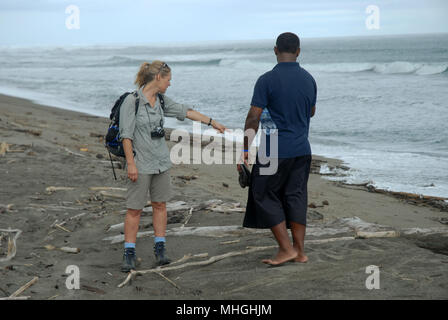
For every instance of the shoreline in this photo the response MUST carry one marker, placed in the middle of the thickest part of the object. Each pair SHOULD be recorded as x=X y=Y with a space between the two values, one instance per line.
x=59 y=191
x=333 y=163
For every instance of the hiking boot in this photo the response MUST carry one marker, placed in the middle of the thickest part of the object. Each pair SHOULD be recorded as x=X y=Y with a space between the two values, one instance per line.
x=129 y=259
x=159 y=251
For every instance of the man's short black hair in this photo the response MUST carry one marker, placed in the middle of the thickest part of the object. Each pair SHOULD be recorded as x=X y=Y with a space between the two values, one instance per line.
x=288 y=42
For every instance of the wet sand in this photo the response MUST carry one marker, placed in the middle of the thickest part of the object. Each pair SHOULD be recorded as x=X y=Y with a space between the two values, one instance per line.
x=50 y=147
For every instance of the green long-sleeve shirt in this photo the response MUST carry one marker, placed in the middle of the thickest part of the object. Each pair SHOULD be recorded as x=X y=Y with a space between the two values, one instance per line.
x=151 y=154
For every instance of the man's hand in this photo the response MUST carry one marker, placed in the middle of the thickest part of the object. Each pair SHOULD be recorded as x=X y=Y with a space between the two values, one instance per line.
x=132 y=172
x=244 y=158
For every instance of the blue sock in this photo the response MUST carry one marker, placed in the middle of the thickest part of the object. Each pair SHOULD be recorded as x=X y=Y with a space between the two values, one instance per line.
x=129 y=245
x=159 y=239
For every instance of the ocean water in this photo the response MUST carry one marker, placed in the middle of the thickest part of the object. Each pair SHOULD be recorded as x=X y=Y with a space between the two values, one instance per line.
x=382 y=103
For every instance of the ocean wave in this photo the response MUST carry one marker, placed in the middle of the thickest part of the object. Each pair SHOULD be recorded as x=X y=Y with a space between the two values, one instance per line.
x=396 y=67
x=123 y=61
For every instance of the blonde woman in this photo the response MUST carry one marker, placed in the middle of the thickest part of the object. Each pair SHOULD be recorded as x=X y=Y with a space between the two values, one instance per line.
x=147 y=154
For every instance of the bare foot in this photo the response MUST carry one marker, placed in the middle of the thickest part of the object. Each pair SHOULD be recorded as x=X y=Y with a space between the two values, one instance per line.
x=281 y=257
x=301 y=258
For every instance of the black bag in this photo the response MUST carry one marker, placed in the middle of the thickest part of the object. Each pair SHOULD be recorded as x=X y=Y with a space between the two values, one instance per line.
x=113 y=143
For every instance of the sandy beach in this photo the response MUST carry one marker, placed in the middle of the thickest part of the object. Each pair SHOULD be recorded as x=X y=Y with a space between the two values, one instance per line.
x=57 y=188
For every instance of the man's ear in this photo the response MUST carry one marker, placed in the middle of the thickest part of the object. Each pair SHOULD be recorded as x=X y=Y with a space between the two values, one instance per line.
x=297 y=52
x=276 y=51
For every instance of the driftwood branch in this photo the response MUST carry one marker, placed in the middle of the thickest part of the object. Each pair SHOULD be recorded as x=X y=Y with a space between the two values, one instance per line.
x=23 y=288
x=188 y=217
x=211 y=260
x=167 y=279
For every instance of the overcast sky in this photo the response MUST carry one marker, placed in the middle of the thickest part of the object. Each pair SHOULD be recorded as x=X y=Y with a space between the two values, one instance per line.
x=43 y=22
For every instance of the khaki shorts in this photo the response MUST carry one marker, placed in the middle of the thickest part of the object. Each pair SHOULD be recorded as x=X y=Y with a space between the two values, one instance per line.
x=157 y=185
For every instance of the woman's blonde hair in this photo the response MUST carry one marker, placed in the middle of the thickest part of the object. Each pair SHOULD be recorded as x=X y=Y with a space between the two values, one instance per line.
x=148 y=72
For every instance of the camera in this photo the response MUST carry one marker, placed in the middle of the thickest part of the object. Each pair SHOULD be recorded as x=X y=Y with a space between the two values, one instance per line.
x=158 y=132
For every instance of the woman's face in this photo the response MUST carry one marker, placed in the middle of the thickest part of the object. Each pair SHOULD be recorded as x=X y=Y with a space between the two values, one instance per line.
x=164 y=82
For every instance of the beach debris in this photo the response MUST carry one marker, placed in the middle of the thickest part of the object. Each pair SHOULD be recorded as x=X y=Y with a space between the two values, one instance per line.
x=325 y=203
x=170 y=206
x=96 y=135
x=112 y=195
x=24 y=287
x=6 y=208
x=211 y=260
x=74 y=153
x=187 y=218
x=63 y=249
x=314 y=215
x=33 y=132
x=230 y=242
x=228 y=207
x=16 y=298
x=92 y=289
x=12 y=245
x=211 y=231
x=52 y=189
x=108 y=188
x=167 y=279
x=4 y=147
x=414 y=198
x=188 y=178
x=377 y=234
x=225 y=185
x=312 y=205
x=83 y=149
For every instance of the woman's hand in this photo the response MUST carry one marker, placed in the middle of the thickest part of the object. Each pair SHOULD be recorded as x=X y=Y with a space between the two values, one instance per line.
x=216 y=125
x=132 y=172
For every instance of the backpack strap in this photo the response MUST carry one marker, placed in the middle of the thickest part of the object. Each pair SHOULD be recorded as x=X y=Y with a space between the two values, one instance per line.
x=162 y=102
x=137 y=101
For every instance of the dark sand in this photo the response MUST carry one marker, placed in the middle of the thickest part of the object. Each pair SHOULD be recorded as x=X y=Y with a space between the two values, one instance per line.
x=412 y=265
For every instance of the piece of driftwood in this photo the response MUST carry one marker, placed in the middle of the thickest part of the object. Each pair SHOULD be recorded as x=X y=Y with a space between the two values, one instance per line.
x=189 y=256
x=74 y=153
x=63 y=249
x=108 y=189
x=23 y=288
x=168 y=279
x=212 y=231
x=4 y=147
x=16 y=298
x=377 y=234
x=77 y=216
x=112 y=195
x=211 y=260
x=62 y=228
x=70 y=250
x=54 y=189
x=12 y=245
x=188 y=217
x=170 y=206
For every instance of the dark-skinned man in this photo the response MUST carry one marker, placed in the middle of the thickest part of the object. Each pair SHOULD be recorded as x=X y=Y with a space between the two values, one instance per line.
x=285 y=100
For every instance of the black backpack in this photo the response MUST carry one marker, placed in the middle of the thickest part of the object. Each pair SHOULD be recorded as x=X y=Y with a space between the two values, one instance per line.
x=112 y=140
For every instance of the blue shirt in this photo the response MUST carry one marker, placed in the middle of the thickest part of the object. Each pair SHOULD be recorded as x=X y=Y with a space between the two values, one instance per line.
x=288 y=92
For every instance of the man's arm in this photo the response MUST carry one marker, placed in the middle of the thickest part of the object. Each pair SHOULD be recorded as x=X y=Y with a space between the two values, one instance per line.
x=252 y=122
x=313 y=111
x=250 y=131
